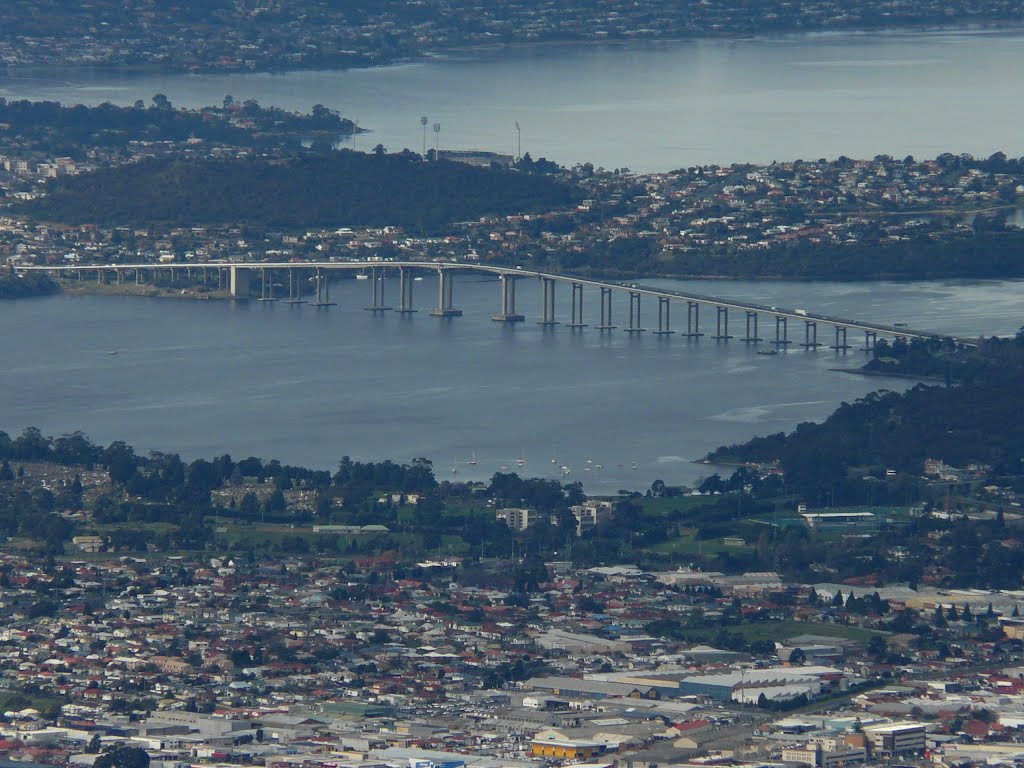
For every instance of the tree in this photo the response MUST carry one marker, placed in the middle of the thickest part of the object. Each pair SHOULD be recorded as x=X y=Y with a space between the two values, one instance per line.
x=275 y=502
x=797 y=657
x=160 y=101
x=250 y=505
x=877 y=646
x=123 y=757
x=120 y=460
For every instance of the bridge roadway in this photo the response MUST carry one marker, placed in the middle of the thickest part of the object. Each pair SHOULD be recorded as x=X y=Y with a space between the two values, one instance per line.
x=239 y=274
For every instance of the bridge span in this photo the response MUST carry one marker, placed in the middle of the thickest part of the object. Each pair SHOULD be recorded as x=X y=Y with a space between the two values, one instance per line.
x=237 y=278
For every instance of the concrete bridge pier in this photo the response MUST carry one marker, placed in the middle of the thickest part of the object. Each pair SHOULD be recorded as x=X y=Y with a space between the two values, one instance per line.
x=692 y=320
x=404 y=292
x=840 y=344
x=752 y=320
x=239 y=287
x=267 y=285
x=870 y=339
x=444 y=306
x=664 y=319
x=781 y=339
x=722 y=332
x=634 y=313
x=577 y=307
x=323 y=289
x=508 y=313
x=294 y=291
x=547 y=302
x=377 y=289
x=810 y=334
x=606 y=310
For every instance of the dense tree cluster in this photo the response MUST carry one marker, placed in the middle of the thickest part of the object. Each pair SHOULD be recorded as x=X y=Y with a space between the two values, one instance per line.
x=70 y=130
x=336 y=189
x=975 y=422
x=30 y=284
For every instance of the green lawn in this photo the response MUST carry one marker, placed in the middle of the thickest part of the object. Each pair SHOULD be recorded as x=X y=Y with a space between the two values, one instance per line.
x=689 y=544
x=665 y=505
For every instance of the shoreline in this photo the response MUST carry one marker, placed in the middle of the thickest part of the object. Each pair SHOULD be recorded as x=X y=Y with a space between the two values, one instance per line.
x=1007 y=26
x=72 y=287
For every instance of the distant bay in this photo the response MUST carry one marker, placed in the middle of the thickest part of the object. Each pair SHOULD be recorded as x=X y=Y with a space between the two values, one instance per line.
x=649 y=106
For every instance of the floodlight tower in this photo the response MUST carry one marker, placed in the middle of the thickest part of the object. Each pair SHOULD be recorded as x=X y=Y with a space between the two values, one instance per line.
x=423 y=122
x=519 y=142
x=437 y=141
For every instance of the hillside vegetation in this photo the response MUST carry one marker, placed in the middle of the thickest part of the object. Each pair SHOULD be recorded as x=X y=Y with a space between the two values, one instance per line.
x=338 y=189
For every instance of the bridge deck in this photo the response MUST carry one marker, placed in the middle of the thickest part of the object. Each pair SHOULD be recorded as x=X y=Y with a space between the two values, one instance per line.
x=643 y=290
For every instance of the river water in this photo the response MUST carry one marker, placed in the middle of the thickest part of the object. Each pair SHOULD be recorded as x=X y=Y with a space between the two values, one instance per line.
x=308 y=386
x=651 y=106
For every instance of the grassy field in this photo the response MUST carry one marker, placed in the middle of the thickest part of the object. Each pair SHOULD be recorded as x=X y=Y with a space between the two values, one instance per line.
x=688 y=544
x=666 y=505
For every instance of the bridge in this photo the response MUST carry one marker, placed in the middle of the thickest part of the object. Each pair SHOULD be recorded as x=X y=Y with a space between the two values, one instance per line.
x=237 y=278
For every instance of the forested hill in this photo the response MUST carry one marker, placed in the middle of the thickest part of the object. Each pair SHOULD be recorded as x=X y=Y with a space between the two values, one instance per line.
x=975 y=422
x=338 y=189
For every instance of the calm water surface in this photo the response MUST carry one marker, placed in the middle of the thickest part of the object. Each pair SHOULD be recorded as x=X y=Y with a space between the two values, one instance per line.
x=649 y=106
x=308 y=386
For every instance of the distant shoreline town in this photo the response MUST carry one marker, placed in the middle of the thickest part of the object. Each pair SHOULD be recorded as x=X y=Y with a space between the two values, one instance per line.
x=220 y=37
x=150 y=182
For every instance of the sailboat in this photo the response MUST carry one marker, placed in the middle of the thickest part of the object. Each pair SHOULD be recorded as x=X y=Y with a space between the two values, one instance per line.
x=472 y=461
